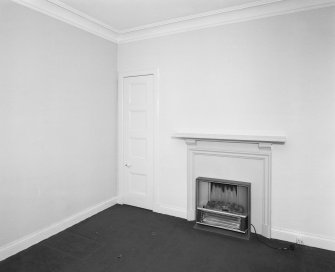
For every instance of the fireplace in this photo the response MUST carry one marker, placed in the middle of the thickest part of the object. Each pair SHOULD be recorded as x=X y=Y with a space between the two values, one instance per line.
x=223 y=206
x=237 y=156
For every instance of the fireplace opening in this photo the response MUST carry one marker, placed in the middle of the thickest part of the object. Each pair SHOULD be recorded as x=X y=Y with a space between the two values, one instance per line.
x=223 y=206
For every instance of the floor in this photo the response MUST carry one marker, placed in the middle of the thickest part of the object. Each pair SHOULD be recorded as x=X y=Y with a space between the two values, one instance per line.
x=125 y=238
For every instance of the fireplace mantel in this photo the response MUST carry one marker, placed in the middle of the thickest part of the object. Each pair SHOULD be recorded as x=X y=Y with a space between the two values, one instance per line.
x=233 y=137
x=242 y=157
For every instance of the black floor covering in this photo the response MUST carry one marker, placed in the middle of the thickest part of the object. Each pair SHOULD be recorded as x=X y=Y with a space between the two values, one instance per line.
x=125 y=238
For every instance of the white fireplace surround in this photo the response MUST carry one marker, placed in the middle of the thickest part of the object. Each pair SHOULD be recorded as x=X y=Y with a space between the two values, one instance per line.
x=235 y=156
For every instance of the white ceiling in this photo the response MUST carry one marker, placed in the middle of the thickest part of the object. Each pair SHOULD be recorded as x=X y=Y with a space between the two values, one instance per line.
x=122 y=15
x=122 y=21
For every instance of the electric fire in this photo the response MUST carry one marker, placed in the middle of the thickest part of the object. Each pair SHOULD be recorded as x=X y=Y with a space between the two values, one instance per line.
x=223 y=206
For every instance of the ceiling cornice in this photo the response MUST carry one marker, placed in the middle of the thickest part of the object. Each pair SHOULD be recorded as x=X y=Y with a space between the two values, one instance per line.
x=251 y=11
x=242 y=13
x=71 y=16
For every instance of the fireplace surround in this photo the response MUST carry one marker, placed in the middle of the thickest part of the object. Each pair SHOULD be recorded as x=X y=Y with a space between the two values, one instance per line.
x=242 y=157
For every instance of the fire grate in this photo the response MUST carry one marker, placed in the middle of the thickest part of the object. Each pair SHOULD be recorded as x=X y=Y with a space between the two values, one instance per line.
x=223 y=206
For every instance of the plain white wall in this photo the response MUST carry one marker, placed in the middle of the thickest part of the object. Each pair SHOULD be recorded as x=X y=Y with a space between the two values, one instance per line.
x=273 y=74
x=57 y=118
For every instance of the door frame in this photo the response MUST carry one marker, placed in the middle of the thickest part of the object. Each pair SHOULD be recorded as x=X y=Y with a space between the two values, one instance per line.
x=120 y=138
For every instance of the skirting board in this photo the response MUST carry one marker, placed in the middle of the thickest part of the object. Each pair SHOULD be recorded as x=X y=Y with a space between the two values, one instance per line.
x=308 y=239
x=36 y=237
x=164 y=209
x=173 y=211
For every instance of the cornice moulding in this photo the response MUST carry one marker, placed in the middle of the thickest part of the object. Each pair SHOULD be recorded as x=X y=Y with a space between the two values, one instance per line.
x=260 y=9
x=71 y=17
x=81 y=14
x=201 y=15
x=247 y=12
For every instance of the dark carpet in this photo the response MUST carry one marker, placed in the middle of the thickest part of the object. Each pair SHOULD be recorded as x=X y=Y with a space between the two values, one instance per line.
x=125 y=238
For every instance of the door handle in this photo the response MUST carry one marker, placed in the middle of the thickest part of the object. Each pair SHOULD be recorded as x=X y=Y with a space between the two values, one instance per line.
x=127 y=165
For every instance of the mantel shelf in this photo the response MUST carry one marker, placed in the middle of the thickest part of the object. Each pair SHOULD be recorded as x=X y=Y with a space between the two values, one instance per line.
x=232 y=137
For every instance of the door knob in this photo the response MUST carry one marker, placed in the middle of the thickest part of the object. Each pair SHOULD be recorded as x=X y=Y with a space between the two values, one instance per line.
x=127 y=165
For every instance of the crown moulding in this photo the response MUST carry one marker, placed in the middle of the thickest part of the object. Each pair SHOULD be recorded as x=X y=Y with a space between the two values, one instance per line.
x=251 y=11
x=70 y=16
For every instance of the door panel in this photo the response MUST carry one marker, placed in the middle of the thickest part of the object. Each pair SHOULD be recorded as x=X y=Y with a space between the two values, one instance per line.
x=138 y=148
x=138 y=140
x=138 y=120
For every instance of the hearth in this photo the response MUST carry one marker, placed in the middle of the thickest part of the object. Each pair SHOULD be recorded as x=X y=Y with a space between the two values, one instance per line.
x=223 y=206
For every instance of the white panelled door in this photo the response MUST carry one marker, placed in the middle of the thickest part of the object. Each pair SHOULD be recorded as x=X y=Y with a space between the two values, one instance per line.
x=138 y=140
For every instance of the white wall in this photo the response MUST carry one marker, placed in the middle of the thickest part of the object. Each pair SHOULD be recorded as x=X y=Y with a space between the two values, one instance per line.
x=57 y=121
x=273 y=74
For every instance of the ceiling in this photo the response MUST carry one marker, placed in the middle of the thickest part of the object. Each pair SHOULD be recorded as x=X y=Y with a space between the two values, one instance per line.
x=122 y=15
x=122 y=21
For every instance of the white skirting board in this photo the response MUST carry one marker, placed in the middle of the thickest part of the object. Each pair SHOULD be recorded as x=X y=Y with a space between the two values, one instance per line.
x=169 y=210
x=38 y=236
x=308 y=239
x=164 y=209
